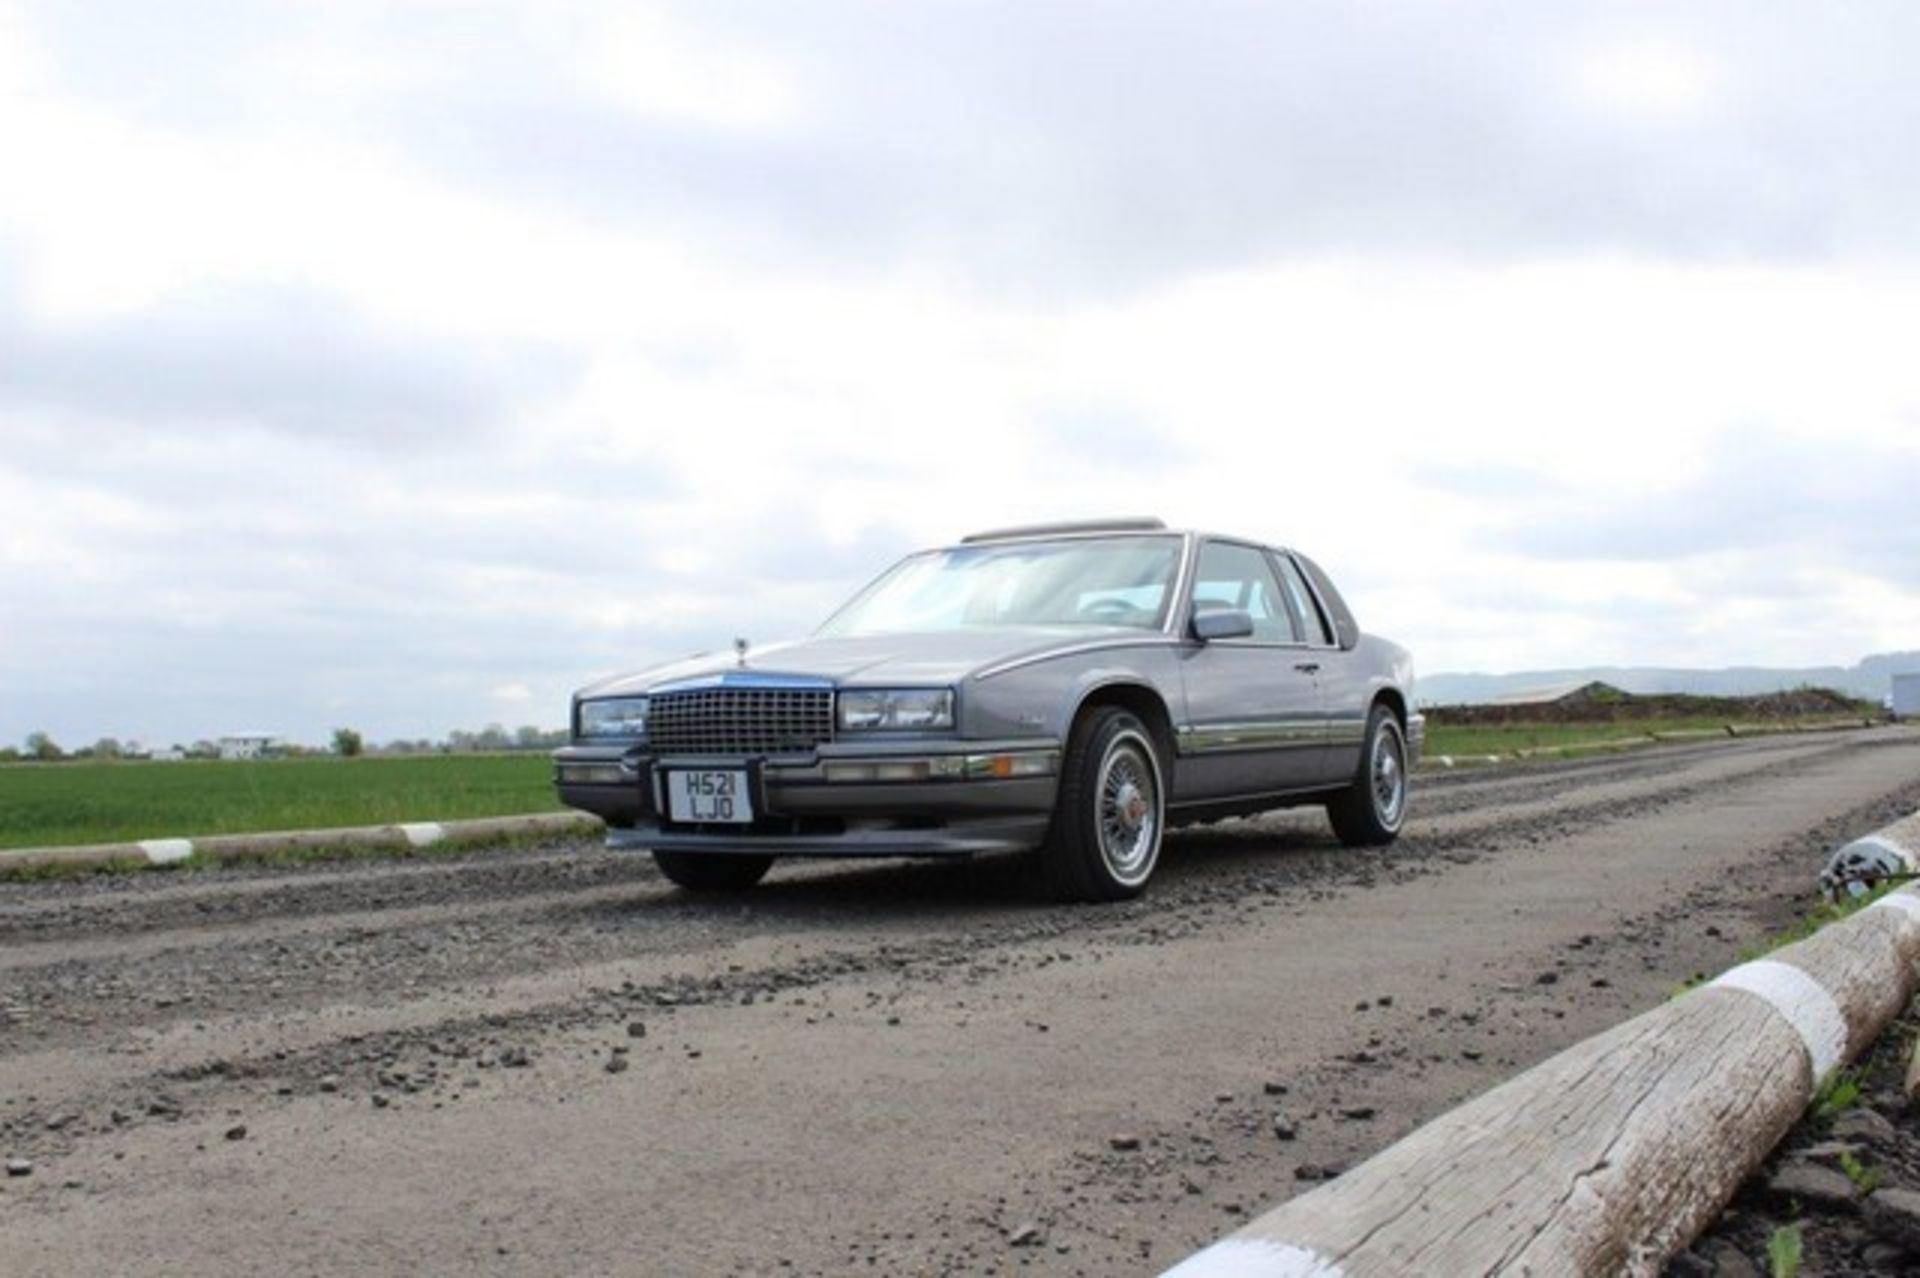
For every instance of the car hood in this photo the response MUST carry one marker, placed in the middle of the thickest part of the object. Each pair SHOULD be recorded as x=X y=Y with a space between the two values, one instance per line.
x=877 y=660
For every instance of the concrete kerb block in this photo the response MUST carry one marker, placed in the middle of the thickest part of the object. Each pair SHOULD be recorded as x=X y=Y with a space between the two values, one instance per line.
x=223 y=848
x=534 y=826
x=166 y=851
x=95 y=855
x=260 y=847
x=422 y=834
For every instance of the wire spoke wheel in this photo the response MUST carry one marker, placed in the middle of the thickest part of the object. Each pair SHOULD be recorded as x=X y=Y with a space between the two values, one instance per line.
x=1128 y=813
x=1389 y=772
x=1371 y=809
x=1110 y=811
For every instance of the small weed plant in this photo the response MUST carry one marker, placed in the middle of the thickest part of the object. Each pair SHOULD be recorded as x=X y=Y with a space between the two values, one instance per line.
x=1838 y=1091
x=1865 y=1179
x=1784 y=1250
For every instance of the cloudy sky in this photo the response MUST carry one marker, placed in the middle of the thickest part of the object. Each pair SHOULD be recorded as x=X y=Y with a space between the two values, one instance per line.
x=403 y=365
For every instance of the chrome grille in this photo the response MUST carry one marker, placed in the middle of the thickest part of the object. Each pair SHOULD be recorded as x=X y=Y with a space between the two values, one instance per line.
x=740 y=721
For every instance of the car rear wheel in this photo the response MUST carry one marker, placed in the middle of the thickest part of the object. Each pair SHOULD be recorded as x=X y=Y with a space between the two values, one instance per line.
x=1111 y=811
x=1371 y=810
x=712 y=872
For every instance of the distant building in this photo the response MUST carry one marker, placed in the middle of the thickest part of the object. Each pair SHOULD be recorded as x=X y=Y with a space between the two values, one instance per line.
x=169 y=754
x=1906 y=696
x=250 y=745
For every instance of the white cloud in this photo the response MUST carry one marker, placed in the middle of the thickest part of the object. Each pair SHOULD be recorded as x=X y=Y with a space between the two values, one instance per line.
x=1662 y=78
x=701 y=318
x=643 y=58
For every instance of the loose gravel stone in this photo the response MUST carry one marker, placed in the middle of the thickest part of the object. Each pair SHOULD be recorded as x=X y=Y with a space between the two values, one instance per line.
x=449 y=941
x=1894 y=1216
x=237 y=1132
x=1864 y=1125
x=1123 y=1143
x=19 y=1167
x=1812 y=1185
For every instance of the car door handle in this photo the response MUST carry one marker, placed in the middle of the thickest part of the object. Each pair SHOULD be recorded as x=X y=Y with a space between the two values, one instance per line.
x=1307 y=667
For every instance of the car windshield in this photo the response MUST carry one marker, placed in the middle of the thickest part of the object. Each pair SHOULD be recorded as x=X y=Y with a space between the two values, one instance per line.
x=1116 y=581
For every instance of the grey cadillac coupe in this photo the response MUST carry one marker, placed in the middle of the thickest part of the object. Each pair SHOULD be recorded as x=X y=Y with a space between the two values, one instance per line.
x=1070 y=689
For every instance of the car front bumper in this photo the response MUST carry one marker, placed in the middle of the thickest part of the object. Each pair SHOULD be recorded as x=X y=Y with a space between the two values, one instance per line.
x=924 y=799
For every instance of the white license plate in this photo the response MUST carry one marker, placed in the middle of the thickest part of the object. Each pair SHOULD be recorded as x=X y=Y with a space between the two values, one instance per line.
x=708 y=795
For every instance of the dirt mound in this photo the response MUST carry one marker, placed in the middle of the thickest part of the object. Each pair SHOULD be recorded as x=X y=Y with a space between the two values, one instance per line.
x=1604 y=703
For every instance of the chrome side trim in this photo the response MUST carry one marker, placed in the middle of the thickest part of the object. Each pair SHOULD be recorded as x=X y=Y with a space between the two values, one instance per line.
x=1149 y=639
x=1256 y=735
x=1346 y=731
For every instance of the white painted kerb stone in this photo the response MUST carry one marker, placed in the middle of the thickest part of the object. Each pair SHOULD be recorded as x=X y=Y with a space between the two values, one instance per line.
x=1802 y=1001
x=1255 y=1258
x=423 y=833
x=166 y=851
x=1900 y=903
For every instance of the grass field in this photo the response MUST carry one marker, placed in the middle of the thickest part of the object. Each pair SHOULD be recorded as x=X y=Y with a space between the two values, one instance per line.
x=1505 y=738
x=60 y=804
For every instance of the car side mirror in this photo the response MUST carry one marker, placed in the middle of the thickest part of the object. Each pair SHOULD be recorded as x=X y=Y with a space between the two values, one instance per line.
x=1222 y=623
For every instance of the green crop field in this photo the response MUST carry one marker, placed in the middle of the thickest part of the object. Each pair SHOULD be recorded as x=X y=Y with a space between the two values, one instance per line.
x=55 y=804
x=61 y=804
x=1505 y=738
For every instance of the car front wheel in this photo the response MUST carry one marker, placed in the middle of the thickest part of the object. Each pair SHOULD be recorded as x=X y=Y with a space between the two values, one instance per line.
x=1371 y=810
x=1111 y=812
x=711 y=872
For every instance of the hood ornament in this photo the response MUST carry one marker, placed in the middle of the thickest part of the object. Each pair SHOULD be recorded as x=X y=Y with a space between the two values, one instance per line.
x=740 y=652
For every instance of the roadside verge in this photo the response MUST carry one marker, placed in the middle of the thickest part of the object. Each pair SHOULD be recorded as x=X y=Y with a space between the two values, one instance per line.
x=402 y=838
x=1614 y=1154
x=408 y=837
x=1653 y=737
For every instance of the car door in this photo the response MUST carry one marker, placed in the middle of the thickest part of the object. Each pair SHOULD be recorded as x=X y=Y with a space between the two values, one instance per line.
x=1254 y=717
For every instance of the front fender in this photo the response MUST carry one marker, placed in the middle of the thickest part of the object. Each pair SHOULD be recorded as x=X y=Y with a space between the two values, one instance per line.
x=1045 y=695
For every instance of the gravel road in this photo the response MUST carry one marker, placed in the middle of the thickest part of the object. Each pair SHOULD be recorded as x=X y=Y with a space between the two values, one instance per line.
x=551 y=1061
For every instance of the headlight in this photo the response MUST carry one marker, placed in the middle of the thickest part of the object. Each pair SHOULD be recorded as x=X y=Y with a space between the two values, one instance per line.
x=614 y=717
x=897 y=708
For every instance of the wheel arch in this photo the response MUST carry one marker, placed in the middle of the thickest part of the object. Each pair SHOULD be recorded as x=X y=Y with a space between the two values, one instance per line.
x=1392 y=699
x=1140 y=699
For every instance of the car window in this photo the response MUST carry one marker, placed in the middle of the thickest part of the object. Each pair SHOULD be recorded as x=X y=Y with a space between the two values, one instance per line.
x=1236 y=576
x=1296 y=586
x=1119 y=581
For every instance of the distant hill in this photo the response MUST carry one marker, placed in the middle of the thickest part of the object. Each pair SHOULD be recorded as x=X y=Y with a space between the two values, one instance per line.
x=1603 y=703
x=1870 y=678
